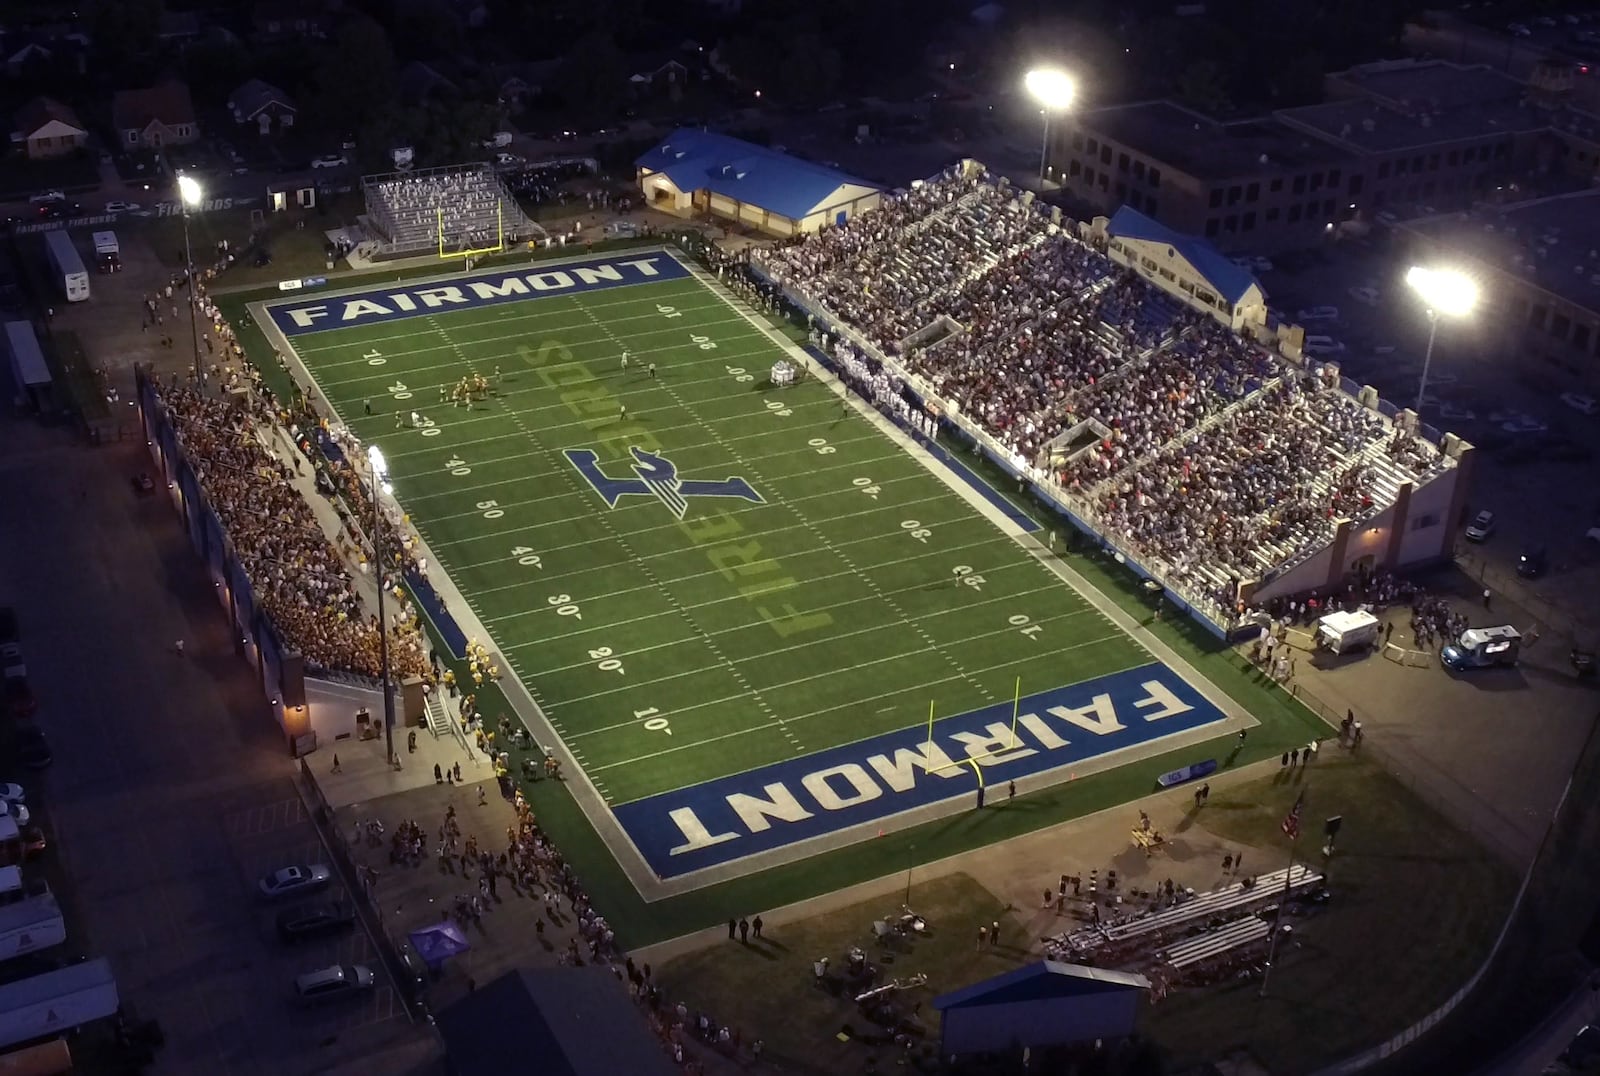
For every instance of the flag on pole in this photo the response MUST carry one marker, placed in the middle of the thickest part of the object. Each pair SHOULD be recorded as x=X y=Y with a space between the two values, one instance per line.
x=1291 y=821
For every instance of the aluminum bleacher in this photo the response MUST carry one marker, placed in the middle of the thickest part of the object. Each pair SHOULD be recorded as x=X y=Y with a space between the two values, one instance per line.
x=405 y=210
x=1225 y=939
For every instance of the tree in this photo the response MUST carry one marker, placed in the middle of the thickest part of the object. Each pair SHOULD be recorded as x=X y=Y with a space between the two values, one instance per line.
x=594 y=77
x=424 y=29
x=1203 y=88
x=123 y=30
x=356 y=80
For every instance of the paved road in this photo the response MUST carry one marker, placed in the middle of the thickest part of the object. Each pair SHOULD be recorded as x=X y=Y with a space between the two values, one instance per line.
x=170 y=790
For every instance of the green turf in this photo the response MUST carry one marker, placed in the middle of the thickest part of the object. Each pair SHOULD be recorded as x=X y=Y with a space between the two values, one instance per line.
x=670 y=652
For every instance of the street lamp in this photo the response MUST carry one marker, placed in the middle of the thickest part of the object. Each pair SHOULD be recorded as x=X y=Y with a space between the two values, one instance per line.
x=1054 y=90
x=1444 y=291
x=380 y=485
x=190 y=194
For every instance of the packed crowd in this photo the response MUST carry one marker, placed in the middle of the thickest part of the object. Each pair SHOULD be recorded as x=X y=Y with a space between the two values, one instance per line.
x=298 y=577
x=1184 y=442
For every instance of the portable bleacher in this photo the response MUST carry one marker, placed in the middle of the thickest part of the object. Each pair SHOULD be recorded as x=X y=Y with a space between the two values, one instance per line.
x=453 y=210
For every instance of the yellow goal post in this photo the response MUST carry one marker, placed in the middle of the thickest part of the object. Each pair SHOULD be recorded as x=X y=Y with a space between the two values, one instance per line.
x=975 y=761
x=466 y=251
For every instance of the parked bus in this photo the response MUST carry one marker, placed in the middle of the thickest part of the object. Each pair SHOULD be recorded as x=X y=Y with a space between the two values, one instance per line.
x=107 y=252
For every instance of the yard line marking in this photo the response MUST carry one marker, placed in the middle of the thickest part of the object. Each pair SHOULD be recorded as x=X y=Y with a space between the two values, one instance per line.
x=964 y=609
x=818 y=713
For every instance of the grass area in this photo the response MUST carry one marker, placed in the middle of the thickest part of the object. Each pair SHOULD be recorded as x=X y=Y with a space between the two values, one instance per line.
x=1416 y=906
x=20 y=177
x=1416 y=903
x=766 y=989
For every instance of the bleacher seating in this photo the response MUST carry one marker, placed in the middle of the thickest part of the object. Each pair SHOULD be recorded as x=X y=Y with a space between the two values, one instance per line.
x=1213 y=944
x=404 y=209
x=1214 y=461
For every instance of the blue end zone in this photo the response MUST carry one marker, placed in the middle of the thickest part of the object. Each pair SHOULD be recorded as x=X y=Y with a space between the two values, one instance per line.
x=775 y=806
x=488 y=288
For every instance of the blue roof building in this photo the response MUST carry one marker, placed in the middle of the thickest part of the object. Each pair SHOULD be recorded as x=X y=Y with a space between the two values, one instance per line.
x=1041 y=1004
x=1187 y=267
x=702 y=173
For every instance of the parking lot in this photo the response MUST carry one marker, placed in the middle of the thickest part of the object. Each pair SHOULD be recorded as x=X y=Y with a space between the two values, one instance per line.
x=170 y=791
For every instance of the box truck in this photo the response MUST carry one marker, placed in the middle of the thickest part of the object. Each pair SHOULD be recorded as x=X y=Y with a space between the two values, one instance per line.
x=107 y=252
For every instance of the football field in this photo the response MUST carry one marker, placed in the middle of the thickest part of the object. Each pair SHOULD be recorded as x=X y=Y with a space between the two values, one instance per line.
x=734 y=603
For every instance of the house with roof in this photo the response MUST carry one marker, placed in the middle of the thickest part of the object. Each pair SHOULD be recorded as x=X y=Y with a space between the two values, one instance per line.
x=273 y=21
x=658 y=72
x=703 y=173
x=517 y=85
x=47 y=128
x=160 y=115
x=1184 y=266
x=263 y=106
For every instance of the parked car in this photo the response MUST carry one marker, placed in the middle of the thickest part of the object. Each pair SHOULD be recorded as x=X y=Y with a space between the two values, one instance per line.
x=47 y=196
x=1365 y=295
x=1323 y=345
x=33 y=750
x=331 y=983
x=1456 y=413
x=330 y=160
x=1533 y=562
x=291 y=881
x=314 y=920
x=1481 y=527
x=1524 y=424
x=122 y=207
x=1581 y=403
x=1319 y=313
x=508 y=160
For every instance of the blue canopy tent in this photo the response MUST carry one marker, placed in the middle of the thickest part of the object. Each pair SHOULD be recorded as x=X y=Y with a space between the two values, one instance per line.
x=439 y=942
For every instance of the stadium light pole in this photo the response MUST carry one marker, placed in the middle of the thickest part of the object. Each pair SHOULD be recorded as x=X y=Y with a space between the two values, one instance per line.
x=1443 y=291
x=1054 y=90
x=189 y=196
x=380 y=485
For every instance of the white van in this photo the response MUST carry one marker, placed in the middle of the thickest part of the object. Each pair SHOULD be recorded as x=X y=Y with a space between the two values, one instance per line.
x=1322 y=345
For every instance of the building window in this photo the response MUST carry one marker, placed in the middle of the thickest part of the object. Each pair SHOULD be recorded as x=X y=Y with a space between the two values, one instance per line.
x=1075 y=168
x=1148 y=263
x=1560 y=326
x=1088 y=177
x=1383 y=170
x=1121 y=189
x=133 y=138
x=1216 y=197
x=1416 y=163
x=1329 y=208
x=1122 y=163
x=1155 y=177
x=1276 y=185
x=1402 y=166
x=1105 y=182
x=1537 y=316
x=1453 y=158
x=1205 y=297
x=1252 y=193
x=1483 y=154
x=1294 y=214
x=1433 y=162
x=1272 y=214
x=1299 y=184
x=1249 y=222
x=1151 y=206
x=1134 y=198
x=1138 y=169
x=1333 y=178
x=1316 y=181
x=1230 y=223
x=1356 y=183
x=1077 y=142
x=1580 y=337
x=1168 y=274
x=1105 y=154
x=1094 y=146
x=1211 y=227
x=1235 y=192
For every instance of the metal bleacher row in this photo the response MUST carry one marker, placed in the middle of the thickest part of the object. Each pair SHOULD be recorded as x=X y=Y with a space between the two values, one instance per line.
x=404 y=209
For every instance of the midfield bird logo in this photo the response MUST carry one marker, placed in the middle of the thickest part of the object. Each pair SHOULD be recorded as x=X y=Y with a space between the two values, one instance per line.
x=656 y=476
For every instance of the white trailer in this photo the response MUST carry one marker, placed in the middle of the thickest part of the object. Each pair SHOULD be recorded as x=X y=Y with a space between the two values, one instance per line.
x=57 y=1001
x=68 y=267
x=31 y=925
x=1344 y=633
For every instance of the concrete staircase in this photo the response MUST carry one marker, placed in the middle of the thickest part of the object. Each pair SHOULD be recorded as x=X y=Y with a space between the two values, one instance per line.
x=438 y=716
